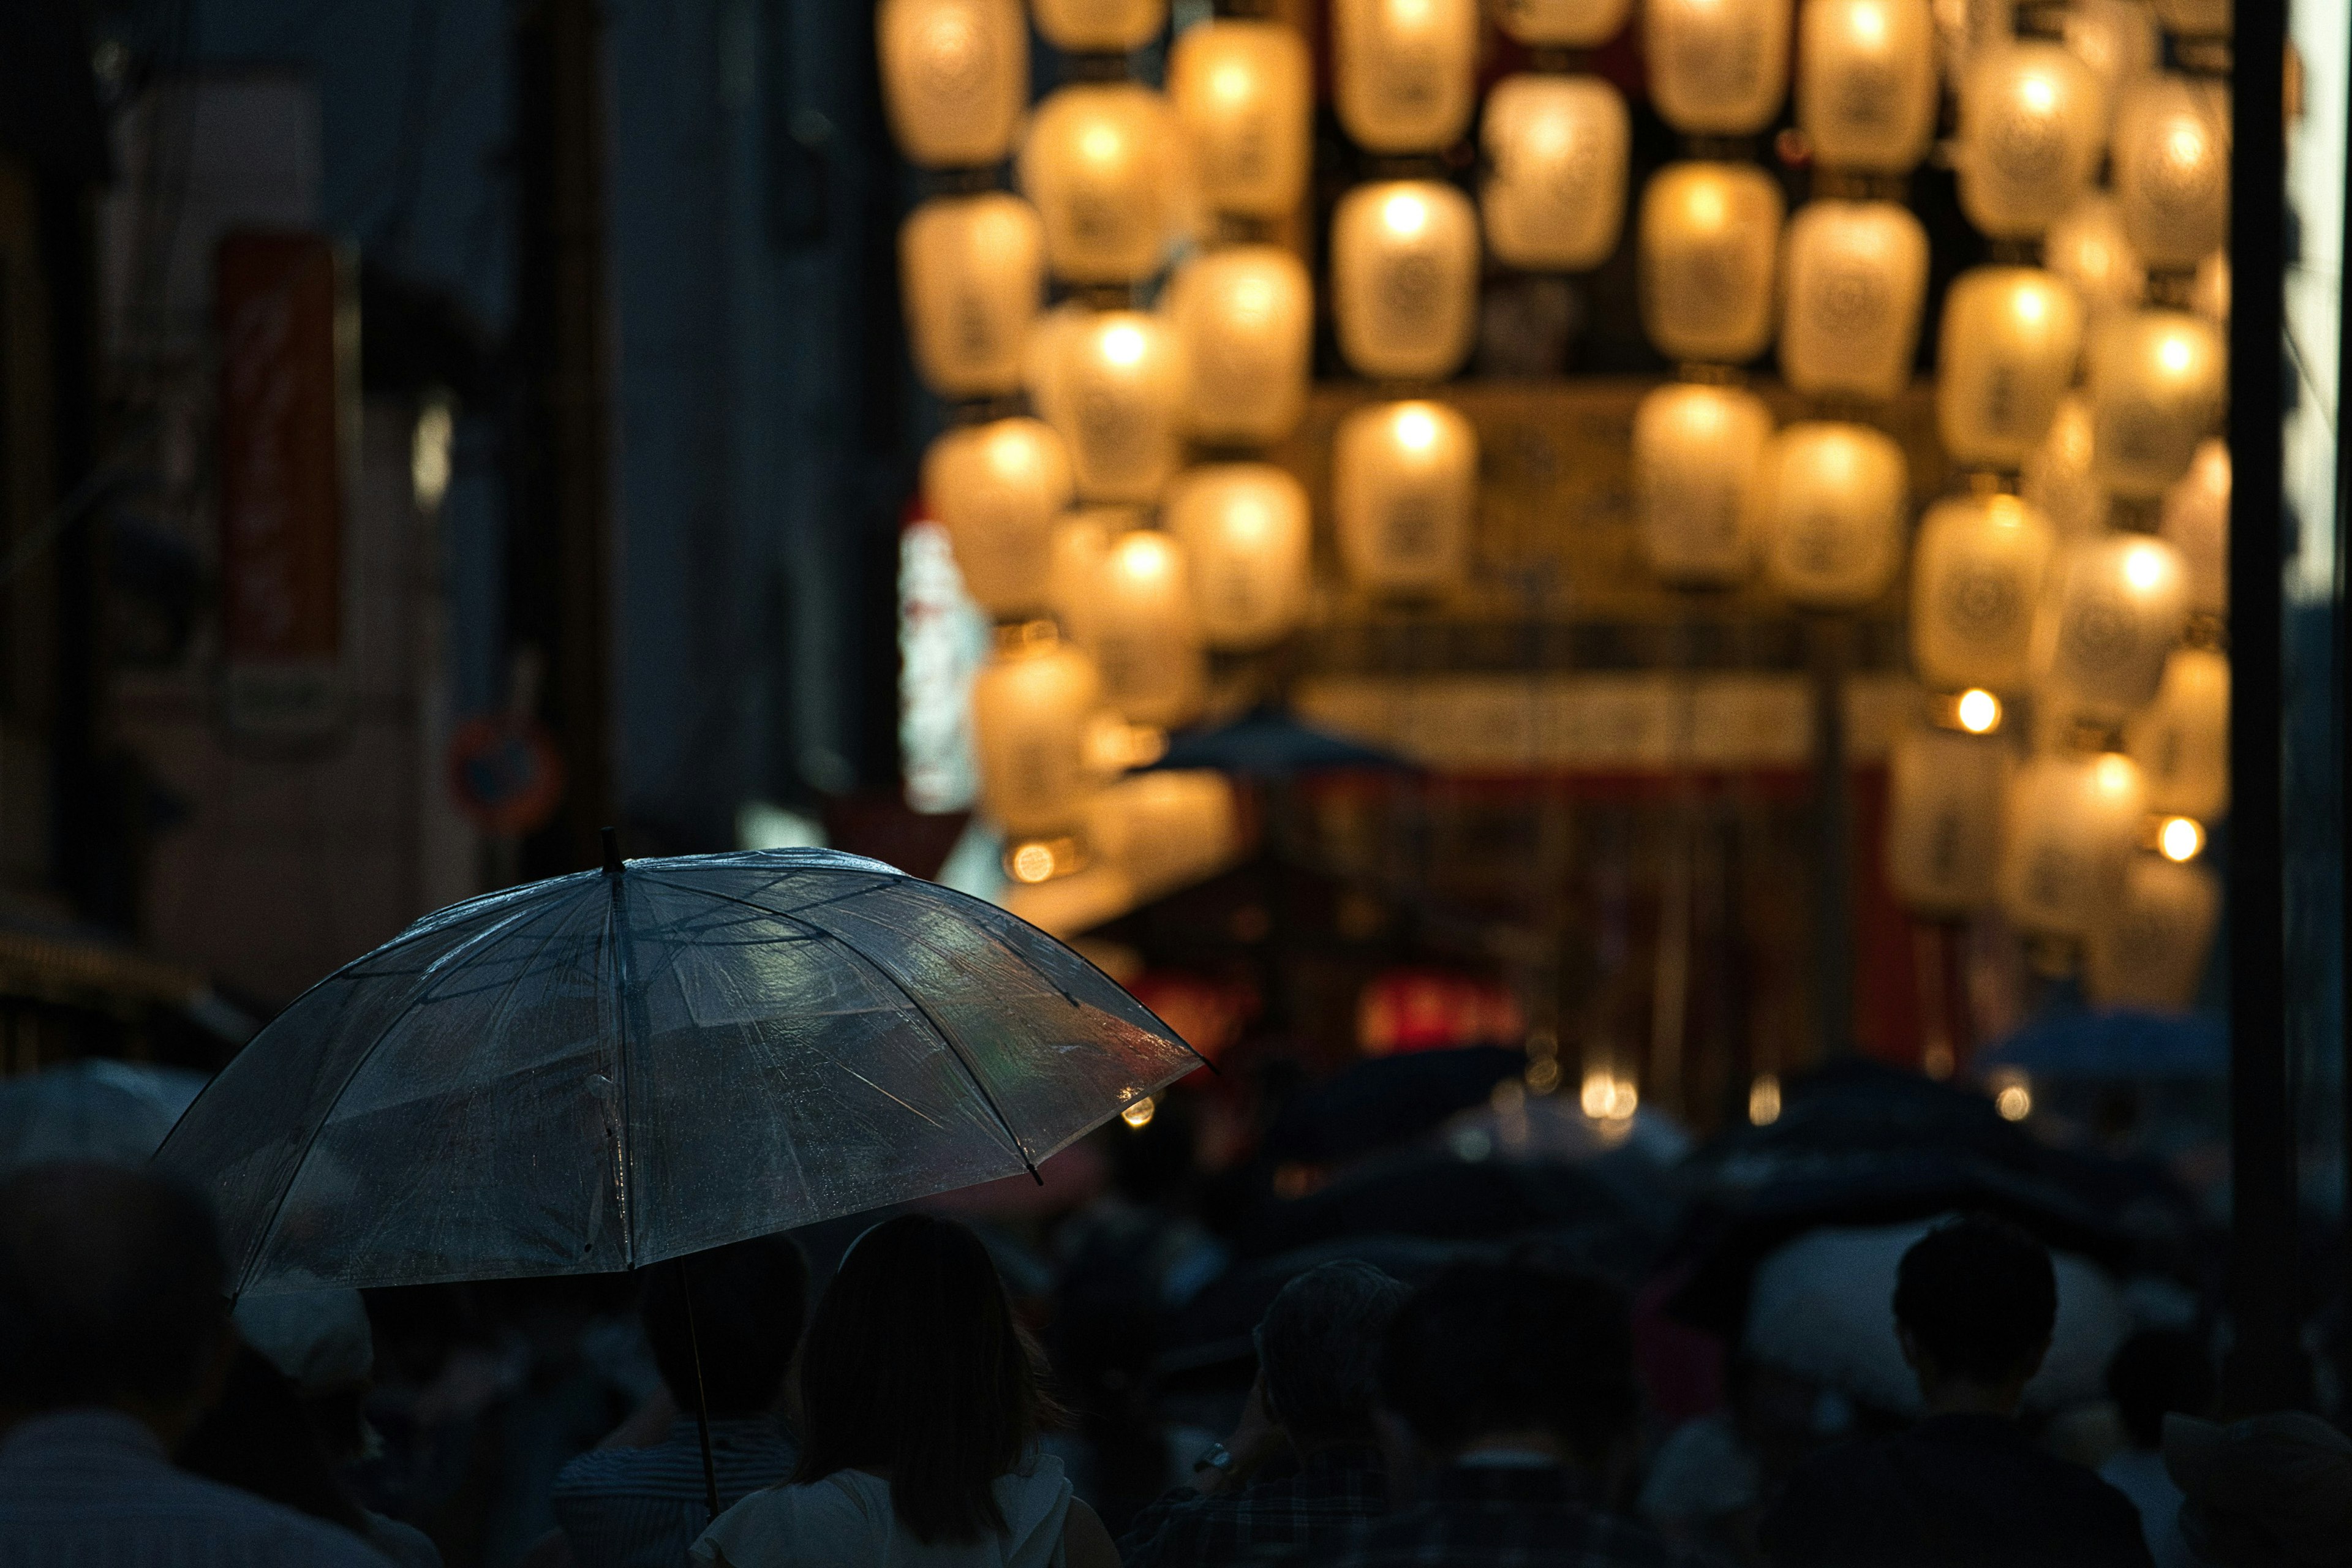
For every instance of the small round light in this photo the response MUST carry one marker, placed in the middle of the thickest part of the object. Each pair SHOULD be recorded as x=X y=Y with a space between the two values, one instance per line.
x=1033 y=863
x=2180 y=838
x=1764 y=1099
x=1405 y=214
x=1979 y=712
x=1123 y=344
x=1543 y=1075
x=2015 y=1102
x=1140 y=1115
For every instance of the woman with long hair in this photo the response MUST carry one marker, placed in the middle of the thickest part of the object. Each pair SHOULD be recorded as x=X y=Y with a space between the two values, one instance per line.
x=919 y=1408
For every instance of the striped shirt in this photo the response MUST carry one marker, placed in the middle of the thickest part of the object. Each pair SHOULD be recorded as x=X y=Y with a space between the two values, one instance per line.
x=93 y=1487
x=642 y=1507
x=1332 y=1492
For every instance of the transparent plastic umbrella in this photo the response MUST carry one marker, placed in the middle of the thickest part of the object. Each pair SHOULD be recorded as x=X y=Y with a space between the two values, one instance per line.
x=607 y=1069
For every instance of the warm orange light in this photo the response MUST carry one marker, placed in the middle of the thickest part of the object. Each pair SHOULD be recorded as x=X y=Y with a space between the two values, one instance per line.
x=1979 y=712
x=2180 y=838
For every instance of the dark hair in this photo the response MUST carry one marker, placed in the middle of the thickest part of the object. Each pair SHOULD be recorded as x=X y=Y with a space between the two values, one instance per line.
x=110 y=1287
x=2161 y=1372
x=750 y=1302
x=257 y=1437
x=914 y=1363
x=1319 y=1347
x=1489 y=1347
x=1979 y=1295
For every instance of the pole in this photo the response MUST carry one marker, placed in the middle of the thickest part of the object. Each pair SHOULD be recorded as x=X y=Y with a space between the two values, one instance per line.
x=2265 y=1369
x=701 y=1400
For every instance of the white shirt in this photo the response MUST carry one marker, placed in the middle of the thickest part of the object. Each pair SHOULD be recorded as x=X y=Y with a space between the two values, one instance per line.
x=93 y=1487
x=845 y=1521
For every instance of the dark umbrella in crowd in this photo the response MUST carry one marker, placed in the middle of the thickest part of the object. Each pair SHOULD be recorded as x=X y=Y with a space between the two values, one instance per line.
x=607 y=1069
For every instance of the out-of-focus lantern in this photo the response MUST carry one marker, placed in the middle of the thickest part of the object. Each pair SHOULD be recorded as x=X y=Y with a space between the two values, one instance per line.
x=998 y=488
x=1857 y=278
x=2197 y=523
x=1866 y=82
x=972 y=269
x=2005 y=356
x=2058 y=478
x=2072 y=824
x=1244 y=528
x=2089 y=249
x=2171 y=160
x=2208 y=291
x=2115 y=39
x=1709 y=235
x=1073 y=558
x=1404 y=278
x=2149 y=947
x=1105 y=164
x=1573 y=24
x=1111 y=384
x=1698 y=455
x=2181 y=741
x=1165 y=828
x=1558 y=145
x=2118 y=606
x=1033 y=704
x=1945 y=795
x=2033 y=118
x=955 y=77
x=1143 y=631
x=1405 y=71
x=1246 y=316
x=1833 y=502
x=1241 y=92
x=2157 y=386
x=1977 y=575
x=1099 y=27
x=1404 y=481
x=2198 y=18
x=1717 y=67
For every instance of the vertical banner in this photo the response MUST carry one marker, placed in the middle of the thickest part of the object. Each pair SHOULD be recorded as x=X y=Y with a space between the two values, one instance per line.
x=286 y=338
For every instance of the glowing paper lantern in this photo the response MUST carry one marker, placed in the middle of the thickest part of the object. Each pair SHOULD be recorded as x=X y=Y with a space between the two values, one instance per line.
x=1945 y=795
x=998 y=488
x=955 y=77
x=1558 y=146
x=1977 y=571
x=2005 y=356
x=972 y=269
x=1031 y=705
x=2115 y=39
x=1143 y=632
x=1575 y=23
x=1403 y=71
x=1099 y=27
x=1866 y=82
x=2171 y=159
x=2117 y=609
x=1709 y=233
x=2089 y=249
x=1105 y=166
x=1718 y=66
x=1166 y=828
x=1404 y=278
x=2197 y=523
x=2181 y=741
x=2151 y=947
x=1404 y=479
x=1246 y=318
x=2071 y=825
x=1857 y=278
x=1834 y=500
x=1241 y=92
x=1073 y=558
x=2157 y=386
x=1698 y=455
x=2031 y=121
x=2058 y=477
x=1111 y=384
x=1246 y=530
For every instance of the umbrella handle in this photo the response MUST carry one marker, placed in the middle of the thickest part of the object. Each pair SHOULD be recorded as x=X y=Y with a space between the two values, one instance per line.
x=701 y=1400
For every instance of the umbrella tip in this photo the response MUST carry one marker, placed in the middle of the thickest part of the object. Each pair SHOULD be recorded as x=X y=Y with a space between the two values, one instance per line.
x=612 y=852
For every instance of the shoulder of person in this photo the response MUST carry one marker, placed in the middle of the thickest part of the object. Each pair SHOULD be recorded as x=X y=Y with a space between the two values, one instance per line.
x=314 y=1543
x=796 y=1522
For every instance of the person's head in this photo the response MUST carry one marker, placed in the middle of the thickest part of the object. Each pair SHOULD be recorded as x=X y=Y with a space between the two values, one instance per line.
x=1974 y=1300
x=914 y=1364
x=1504 y=1351
x=1318 y=1350
x=2161 y=1372
x=109 y=1293
x=256 y=1435
x=748 y=1301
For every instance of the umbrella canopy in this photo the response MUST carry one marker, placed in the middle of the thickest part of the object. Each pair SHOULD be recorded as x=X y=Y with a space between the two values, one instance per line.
x=1267 y=742
x=2122 y=1044
x=95 y=1109
x=606 y=1069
